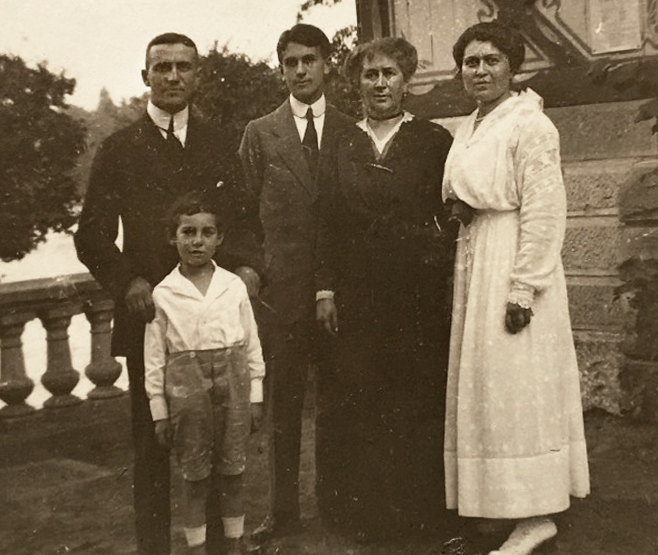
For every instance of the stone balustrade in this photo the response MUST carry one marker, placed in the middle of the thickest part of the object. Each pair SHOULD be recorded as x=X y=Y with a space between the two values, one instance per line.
x=54 y=301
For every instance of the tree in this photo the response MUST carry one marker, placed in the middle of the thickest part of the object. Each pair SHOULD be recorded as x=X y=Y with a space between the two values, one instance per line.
x=39 y=146
x=233 y=90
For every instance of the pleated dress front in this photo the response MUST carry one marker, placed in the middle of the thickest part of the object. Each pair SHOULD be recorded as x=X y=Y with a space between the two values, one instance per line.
x=514 y=439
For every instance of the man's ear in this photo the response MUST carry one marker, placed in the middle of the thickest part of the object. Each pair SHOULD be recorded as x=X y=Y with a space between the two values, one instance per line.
x=220 y=239
x=327 y=68
x=145 y=77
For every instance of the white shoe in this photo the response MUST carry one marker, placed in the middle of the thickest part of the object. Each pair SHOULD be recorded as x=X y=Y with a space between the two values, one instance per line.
x=527 y=536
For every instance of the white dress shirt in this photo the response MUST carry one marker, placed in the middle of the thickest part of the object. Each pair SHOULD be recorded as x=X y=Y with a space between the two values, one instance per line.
x=299 y=110
x=186 y=320
x=162 y=119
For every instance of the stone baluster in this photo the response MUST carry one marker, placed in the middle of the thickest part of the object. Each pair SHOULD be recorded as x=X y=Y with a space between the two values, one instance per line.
x=15 y=386
x=60 y=377
x=103 y=370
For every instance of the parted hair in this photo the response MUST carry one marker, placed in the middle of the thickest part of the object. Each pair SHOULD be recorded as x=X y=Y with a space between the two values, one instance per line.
x=169 y=38
x=506 y=39
x=396 y=48
x=303 y=33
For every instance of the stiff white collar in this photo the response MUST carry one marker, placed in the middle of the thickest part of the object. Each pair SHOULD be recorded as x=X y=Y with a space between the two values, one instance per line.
x=299 y=109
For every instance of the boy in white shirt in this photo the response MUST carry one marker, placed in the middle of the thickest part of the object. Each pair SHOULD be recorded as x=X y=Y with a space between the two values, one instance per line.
x=204 y=373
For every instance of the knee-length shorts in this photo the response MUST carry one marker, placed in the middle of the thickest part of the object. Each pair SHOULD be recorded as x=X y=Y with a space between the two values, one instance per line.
x=209 y=410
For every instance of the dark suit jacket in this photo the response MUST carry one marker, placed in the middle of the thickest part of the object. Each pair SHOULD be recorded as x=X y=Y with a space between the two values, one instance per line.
x=279 y=182
x=136 y=176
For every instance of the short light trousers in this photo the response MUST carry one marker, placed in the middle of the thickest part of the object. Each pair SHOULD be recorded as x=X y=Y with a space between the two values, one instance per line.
x=209 y=409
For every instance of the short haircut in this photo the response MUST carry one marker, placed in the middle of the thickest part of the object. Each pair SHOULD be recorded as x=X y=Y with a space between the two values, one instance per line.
x=396 y=48
x=190 y=204
x=308 y=35
x=506 y=39
x=170 y=38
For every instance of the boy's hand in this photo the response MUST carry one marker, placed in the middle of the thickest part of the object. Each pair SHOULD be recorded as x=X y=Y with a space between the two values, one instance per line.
x=326 y=315
x=163 y=433
x=256 y=416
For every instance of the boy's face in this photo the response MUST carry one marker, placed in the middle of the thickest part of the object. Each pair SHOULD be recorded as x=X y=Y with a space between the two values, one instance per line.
x=196 y=239
x=304 y=70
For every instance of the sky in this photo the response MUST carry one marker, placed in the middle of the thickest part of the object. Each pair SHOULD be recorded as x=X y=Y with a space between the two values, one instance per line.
x=101 y=43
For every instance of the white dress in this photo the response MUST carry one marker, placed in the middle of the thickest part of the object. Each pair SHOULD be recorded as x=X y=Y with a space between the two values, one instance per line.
x=515 y=444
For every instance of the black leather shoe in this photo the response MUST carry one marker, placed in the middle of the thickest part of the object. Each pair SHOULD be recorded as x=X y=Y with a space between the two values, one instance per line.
x=272 y=528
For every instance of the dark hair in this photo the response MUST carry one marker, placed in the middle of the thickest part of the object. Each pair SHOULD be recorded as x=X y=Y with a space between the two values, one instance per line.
x=397 y=48
x=506 y=39
x=190 y=204
x=170 y=38
x=308 y=35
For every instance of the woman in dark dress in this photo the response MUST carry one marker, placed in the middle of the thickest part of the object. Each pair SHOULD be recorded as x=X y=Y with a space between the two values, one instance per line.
x=386 y=255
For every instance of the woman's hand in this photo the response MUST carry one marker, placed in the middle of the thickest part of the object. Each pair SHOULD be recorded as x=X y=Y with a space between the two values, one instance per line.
x=327 y=315
x=461 y=212
x=256 y=416
x=163 y=433
x=517 y=317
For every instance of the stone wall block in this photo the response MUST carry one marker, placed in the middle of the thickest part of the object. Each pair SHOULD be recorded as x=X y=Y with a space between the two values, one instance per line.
x=591 y=248
x=599 y=362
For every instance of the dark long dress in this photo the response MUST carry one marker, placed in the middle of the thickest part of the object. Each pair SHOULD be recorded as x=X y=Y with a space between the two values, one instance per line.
x=386 y=250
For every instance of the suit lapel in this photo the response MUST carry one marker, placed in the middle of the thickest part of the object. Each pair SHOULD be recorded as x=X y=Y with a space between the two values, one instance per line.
x=289 y=146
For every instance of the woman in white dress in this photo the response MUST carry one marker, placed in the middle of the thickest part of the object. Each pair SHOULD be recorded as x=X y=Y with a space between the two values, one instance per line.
x=515 y=446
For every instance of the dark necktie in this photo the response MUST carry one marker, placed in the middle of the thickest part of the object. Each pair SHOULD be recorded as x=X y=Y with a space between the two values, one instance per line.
x=173 y=141
x=310 y=143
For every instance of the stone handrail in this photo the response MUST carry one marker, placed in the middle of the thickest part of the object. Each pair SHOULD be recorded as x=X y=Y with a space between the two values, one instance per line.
x=54 y=301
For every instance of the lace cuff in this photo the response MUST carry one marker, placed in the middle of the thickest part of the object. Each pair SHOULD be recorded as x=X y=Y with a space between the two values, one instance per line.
x=324 y=294
x=521 y=294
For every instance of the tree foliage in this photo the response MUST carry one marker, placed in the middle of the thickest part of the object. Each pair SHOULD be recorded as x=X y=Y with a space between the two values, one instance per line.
x=39 y=146
x=233 y=90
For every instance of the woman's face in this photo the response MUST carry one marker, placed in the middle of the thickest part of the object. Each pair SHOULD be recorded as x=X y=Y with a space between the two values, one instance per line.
x=486 y=73
x=382 y=86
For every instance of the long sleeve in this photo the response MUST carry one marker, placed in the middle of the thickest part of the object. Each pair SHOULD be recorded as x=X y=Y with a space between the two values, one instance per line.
x=98 y=225
x=253 y=350
x=543 y=210
x=247 y=196
x=155 y=358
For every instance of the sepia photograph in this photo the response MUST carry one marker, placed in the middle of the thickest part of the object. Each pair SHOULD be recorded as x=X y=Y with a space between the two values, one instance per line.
x=329 y=277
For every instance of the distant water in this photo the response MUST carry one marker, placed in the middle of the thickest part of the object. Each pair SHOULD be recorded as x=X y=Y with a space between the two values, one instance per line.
x=53 y=258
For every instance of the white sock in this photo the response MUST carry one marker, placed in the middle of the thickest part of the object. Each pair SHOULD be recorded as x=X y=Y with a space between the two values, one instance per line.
x=528 y=534
x=195 y=536
x=233 y=526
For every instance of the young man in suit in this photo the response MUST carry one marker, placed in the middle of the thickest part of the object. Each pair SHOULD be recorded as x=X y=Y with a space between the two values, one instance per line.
x=282 y=154
x=137 y=174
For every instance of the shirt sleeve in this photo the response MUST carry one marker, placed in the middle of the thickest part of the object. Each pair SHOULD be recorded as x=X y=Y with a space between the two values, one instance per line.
x=542 y=217
x=155 y=358
x=253 y=348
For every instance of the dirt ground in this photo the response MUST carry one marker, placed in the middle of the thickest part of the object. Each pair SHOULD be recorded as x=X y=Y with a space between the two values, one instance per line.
x=65 y=488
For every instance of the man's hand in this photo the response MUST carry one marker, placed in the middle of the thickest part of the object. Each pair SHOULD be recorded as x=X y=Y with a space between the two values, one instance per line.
x=139 y=299
x=256 y=416
x=517 y=317
x=163 y=433
x=251 y=280
x=327 y=316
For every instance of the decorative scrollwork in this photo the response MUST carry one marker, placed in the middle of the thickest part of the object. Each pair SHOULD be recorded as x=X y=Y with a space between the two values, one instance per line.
x=548 y=4
x=652 y=20
x=488 y=13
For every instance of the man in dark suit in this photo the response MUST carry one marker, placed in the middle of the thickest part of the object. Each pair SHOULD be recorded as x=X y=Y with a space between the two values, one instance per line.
x=281 y=155
x=138 y=172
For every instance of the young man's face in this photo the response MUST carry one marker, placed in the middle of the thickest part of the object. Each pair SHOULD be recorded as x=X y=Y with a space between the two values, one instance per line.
x=304 y=68
x=196 y=239
x=172 y=76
